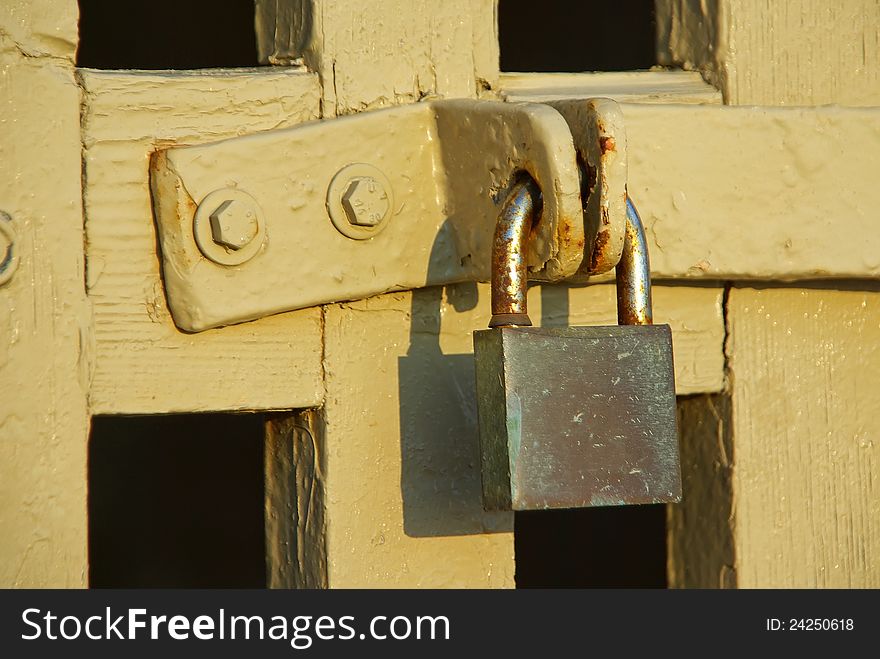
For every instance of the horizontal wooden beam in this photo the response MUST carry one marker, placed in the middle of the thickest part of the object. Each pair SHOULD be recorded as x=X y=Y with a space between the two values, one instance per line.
x=749 y=193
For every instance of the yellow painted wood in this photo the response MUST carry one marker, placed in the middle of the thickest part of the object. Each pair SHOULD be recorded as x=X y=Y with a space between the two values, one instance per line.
x=45 y=322
x=40 y=29
x=809 y=52
x=756 y=193
x=376 y=53
x=403 y=482
x=143 y=363
x=806 y=454
x=623 y=86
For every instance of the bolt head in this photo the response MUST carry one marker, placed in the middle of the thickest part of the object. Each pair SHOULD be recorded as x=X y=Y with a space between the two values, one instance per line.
x=234 y=224
x=365 y=202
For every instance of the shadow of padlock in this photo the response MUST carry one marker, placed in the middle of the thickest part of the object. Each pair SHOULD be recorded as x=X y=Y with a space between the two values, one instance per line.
x=580 y=416
x=439 y=446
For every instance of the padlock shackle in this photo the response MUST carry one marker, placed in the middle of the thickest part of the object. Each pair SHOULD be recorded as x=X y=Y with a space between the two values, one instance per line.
x=633 y=273
x=509 y=270
x=510 y=273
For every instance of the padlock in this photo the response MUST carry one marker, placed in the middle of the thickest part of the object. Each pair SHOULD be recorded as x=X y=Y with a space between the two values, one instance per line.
x=578 y=416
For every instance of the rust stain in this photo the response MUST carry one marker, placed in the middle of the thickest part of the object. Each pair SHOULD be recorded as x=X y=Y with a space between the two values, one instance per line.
x=589 y=177
x=565 y=229
x=607 y=144
x=189 y=204
x=599 y=247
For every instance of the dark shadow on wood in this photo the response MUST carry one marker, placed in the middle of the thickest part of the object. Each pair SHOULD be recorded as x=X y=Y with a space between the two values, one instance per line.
x=440 y=455
x=439 y=443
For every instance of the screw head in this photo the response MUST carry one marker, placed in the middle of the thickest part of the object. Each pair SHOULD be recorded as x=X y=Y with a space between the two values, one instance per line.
x=234 y=224
x=365 y=202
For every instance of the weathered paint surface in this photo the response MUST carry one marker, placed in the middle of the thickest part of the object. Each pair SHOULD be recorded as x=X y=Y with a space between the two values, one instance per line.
x=786 y=193
x=802 y=407
x=403 y=482
x=377 y=53
x=45 y=321
x=806 y=454
x=271 y=365
x=624 y=86
x=811 y=52
x=812 y=164
x=806 y=169
x=783 y=470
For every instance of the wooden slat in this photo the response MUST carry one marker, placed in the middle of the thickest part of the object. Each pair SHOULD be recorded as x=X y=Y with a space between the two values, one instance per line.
x=46 y=354
x=810 y=52
x=40 y=29
x=624 y=86
x=403 y=475
x=805 y=375
x=143 y=363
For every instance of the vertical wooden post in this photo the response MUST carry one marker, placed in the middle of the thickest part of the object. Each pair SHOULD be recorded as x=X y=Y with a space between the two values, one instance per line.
x=810 y=52
x=778 y=483
x=45 y=319
x=400 y=498
x=805 y=369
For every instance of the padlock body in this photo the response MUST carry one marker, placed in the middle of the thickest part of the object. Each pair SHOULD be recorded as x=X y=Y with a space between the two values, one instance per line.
x=576 y=417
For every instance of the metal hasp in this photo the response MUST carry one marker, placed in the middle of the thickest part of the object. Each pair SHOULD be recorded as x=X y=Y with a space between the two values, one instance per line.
x=580 y=416
x=385 y=200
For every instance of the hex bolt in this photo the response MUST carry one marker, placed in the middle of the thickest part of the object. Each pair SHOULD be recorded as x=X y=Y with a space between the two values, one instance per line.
x=234 y=224
x=365 y=201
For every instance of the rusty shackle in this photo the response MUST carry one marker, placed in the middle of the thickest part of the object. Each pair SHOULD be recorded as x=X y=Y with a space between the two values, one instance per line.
x=510 y=272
